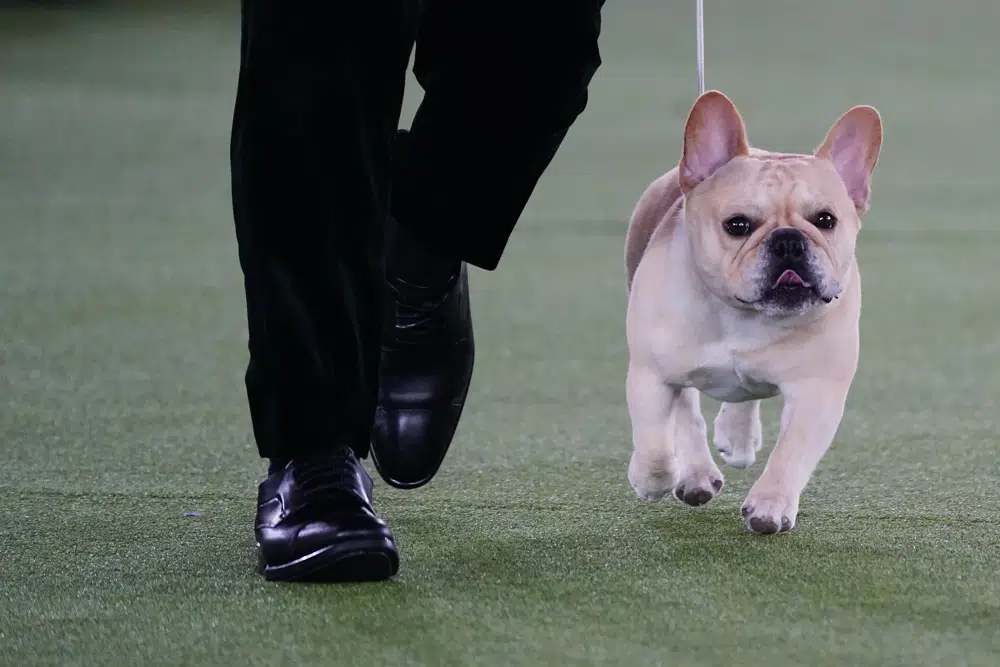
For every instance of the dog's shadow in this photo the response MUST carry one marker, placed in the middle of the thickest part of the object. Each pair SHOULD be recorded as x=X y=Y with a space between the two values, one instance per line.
x=666 y=542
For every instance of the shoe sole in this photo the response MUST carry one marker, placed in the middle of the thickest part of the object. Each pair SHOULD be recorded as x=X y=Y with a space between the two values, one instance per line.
x=356 y=561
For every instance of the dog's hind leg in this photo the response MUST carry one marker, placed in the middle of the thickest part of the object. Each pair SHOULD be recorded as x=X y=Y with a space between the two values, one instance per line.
x=738 y=433
x=699 y=480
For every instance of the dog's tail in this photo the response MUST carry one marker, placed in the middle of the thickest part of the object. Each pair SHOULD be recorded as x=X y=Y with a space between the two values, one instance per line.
x=651 y=209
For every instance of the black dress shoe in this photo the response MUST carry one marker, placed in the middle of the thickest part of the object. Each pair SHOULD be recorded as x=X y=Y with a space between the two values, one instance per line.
x=427 y=357
x=315 y=522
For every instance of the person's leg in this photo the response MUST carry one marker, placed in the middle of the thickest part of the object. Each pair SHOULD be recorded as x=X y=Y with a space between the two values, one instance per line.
x=502 y=88
x=318 y=102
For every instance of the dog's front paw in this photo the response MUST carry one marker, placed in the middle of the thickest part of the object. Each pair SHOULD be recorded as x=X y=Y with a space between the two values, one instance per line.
x=738 y=434
x=651 y=478
x=770 y=510
x=698 y=486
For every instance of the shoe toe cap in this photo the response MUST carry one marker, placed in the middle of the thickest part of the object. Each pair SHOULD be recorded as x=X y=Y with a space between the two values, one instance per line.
x=409 y=445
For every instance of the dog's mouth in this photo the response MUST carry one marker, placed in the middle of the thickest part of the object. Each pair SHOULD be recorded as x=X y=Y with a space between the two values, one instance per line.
x=789 y=289
x=791 y=279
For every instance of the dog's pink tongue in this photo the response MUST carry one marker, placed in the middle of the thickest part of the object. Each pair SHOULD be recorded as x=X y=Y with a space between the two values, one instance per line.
x=789 y=277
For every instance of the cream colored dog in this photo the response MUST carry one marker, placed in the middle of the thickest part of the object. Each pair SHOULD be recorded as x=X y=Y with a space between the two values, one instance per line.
x=743 y=285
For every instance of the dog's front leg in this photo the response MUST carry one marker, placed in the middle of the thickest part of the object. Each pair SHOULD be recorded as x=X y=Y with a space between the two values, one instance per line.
x=653 y=467
x=698 y=478
x=809 y=422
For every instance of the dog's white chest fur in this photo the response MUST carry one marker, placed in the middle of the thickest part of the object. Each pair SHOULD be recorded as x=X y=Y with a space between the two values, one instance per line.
x=725 y=381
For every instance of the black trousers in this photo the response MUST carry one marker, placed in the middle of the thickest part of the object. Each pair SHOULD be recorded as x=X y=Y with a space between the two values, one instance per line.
x=315 y=175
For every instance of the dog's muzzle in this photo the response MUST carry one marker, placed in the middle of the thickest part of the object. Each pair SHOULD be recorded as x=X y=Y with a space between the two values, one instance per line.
x=788 y=245
x=790 y=279
x=789 y=262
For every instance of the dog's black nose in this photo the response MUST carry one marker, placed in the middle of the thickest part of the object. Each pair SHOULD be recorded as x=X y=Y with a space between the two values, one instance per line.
x=787 y=243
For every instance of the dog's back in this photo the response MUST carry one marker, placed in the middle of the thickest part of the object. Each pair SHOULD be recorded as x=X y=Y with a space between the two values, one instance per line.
x=657 y=207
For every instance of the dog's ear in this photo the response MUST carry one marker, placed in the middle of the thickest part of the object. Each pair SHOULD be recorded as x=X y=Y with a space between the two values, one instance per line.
x=714 y=135
x=853 y=145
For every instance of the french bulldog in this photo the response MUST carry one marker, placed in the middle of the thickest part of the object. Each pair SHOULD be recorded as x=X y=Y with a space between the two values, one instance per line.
x=743 y=285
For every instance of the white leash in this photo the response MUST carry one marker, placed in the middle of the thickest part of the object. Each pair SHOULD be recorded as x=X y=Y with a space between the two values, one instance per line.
x=700 y=28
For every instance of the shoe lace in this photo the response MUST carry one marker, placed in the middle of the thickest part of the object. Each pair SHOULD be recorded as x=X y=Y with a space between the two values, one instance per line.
x=415 y=309
x=320 y=482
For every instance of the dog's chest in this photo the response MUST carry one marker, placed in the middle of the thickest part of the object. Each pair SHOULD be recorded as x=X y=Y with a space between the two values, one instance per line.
x=725 y=380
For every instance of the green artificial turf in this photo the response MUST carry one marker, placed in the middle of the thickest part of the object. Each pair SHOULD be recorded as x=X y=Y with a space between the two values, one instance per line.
x=123 y=343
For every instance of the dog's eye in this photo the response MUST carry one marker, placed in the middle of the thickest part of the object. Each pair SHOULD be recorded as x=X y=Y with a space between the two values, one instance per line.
x=738 y=225
x=824 y=220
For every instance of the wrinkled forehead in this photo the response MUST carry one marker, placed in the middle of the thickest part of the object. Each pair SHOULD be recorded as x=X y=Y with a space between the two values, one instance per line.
x=763 y=184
